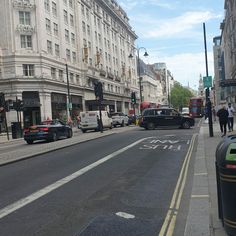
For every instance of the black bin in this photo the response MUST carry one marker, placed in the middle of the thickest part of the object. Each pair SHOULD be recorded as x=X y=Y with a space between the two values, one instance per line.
x=16 y=130
x=226 y=182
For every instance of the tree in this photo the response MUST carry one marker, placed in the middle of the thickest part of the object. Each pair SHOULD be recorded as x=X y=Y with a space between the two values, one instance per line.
x=180 y=96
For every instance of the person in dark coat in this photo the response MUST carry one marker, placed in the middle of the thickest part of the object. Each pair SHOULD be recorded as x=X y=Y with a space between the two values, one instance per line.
x=223 y=119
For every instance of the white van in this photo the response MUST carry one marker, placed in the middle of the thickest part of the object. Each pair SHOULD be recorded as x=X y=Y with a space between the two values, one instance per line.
x=89 y=120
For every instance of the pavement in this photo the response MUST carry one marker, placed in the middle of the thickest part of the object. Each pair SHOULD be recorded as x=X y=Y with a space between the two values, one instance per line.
x=202 y=217
x=203 y=211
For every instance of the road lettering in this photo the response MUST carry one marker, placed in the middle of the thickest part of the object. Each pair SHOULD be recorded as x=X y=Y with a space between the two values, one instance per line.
x=165 y=144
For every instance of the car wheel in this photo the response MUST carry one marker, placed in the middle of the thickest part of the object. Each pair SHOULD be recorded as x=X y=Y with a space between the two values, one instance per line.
x=115 y=126
x=69 y=135
x=30 y=141
x=54 y=137
x=186 y=125
x=150 y=126
x=84 y=130
x=123 y=124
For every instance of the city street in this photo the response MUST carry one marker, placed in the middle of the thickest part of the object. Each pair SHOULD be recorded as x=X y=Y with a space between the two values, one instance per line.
x=129 y=182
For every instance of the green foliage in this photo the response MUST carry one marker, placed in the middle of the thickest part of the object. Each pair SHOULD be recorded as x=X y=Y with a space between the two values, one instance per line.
x=180 y=96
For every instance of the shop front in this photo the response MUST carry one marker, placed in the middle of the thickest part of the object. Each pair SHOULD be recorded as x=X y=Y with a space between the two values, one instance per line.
x=77 y=106
x=58 y=103
x=31 y=110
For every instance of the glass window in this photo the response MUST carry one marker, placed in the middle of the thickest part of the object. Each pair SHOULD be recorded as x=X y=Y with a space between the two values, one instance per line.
x=26 y=41
x=71 y=20
x=67 y=35
x=49 y=46
x=65 y=17
x=71 y=3
x=83 y=26
x=24 y=18
x=55 y=29
x=54 y=8
x=71 y=77
x=57 y=50
x=68 y=54
x=60 y=73
x=46 y=5
x=88 y=29
x=74 y=57
x=87 y=13
x=28 y=70
x=82 y=9
x=73 y=38
x=48 y=25
x=53 y=73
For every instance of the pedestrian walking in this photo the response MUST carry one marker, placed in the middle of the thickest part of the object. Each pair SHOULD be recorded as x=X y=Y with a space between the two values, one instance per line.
x=223 y=120
x=230 y=117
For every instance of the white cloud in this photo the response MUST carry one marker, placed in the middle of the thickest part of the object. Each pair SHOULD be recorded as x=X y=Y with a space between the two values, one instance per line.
x=187 y=67
x=179 y=25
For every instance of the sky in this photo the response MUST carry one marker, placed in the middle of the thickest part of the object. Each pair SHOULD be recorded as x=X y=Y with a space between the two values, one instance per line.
x=172 y=32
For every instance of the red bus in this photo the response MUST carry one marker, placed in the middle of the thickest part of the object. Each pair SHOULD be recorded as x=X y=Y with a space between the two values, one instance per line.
x=196 y=108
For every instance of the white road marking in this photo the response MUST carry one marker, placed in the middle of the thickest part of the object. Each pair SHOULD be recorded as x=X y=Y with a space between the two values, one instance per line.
x=42 y=192
x=164 y=141
x=200 y=196
x=199 y=174
x=125 y=215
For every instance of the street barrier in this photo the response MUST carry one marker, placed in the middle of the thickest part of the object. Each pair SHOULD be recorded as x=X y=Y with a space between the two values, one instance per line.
x=226 y=182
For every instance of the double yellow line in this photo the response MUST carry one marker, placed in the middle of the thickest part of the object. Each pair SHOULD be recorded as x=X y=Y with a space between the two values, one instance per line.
x=168 y=226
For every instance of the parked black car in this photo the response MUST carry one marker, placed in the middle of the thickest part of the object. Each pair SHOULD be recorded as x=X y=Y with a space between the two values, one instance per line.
x=49 y=130
x=169 y=117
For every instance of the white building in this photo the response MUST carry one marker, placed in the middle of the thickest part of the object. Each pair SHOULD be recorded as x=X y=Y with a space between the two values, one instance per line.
x=152 y=89
x=92 y=38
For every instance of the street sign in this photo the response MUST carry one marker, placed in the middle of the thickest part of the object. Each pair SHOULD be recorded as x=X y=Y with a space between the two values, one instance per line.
x=207 y=81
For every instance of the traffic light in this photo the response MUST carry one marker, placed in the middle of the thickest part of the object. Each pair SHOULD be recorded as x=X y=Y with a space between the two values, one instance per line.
x=133 y=97
x=98 y=91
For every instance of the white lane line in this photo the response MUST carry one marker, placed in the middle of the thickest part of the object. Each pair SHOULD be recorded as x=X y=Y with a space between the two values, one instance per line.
x=199 y=174
x=125 y=215
x=42 y=192
x=200 y=196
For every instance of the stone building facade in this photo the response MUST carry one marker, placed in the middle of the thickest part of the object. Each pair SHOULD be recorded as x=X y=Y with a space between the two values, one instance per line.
x=48 y=46
x=225 y=56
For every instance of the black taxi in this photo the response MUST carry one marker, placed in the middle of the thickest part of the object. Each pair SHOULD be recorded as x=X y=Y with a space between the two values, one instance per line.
x=159 y=117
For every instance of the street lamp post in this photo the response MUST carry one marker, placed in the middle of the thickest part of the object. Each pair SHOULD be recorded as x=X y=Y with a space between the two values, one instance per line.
x=139 y=70
x=68 y=95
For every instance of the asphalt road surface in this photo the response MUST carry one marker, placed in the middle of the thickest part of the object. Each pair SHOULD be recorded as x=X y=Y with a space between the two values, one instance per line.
x=132 y=183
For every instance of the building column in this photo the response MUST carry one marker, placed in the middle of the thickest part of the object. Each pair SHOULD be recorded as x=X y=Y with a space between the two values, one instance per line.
x=83 y=104
x=115 y=106
x=123 y=106
x=46 y=105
